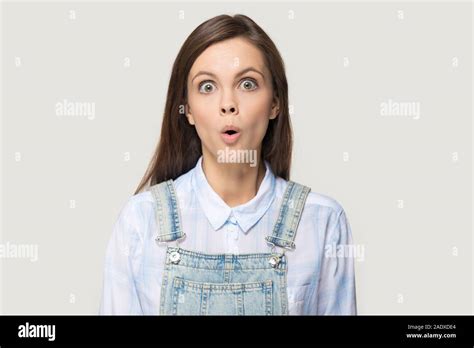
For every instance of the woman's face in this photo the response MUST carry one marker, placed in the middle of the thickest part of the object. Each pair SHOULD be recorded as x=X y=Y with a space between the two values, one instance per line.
x=230 y=85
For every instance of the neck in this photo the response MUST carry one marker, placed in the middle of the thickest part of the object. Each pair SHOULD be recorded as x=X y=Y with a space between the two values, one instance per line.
x=235 y=183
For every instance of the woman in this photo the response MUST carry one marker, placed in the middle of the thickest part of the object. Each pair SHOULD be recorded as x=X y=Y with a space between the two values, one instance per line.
x=215 y=226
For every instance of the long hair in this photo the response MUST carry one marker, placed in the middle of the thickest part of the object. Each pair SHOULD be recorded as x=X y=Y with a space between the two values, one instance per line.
x=179 y=146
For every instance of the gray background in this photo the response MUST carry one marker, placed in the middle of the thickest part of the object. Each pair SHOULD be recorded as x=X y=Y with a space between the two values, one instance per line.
x=417 y=260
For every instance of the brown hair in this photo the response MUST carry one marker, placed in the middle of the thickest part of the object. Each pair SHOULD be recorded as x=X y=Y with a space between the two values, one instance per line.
x=179 y=146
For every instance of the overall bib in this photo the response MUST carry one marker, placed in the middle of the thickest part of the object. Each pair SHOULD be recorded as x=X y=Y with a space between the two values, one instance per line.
x=196 y=283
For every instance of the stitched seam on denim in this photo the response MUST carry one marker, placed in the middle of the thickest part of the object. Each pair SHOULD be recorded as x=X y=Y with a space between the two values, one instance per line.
x=264 y=285
x=176 y=212
x=295 y=218
x=158 y=207
x=281 y=214
x=287 y=228
x=180 y=264
x=302 y=196
x=219 y=256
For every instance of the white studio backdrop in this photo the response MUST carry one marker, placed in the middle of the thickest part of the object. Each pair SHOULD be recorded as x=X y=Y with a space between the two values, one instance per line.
x=381 y=106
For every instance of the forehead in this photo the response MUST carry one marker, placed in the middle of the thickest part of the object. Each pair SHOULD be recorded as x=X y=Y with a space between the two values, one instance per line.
x=228 y=57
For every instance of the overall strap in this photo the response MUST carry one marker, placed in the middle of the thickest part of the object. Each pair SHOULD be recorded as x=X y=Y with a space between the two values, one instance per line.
x=167 y=212
x=284 y=230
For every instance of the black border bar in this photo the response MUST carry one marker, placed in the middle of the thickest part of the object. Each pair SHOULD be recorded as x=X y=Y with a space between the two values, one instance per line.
x=208 y=330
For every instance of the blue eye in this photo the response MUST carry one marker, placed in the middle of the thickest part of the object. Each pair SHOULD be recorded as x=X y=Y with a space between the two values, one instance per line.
x=249 y=84
x=207 y=86
x=204 y=87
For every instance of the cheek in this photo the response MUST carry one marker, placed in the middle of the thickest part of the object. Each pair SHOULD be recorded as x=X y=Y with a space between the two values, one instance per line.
x=256 y=105
x=258 y=130
x=203 y=127
x=204 y=115
x=257 y=111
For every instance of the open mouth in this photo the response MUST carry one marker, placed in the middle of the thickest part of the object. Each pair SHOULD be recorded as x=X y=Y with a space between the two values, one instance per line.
x=230 y=134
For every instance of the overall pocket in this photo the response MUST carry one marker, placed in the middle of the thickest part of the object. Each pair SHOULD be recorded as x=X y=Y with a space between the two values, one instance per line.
x=203 y=298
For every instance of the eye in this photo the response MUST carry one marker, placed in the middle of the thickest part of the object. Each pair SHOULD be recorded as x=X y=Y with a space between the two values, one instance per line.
x=206 y=87
x=249 y=84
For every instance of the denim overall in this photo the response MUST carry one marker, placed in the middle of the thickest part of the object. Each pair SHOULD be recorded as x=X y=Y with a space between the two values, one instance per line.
x=196 y=283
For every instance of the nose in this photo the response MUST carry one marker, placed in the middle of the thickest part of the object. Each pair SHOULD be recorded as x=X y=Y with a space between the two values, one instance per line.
x=228 y=110
x=228 y=107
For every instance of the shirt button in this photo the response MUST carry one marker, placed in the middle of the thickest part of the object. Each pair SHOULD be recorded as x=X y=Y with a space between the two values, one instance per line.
x=232 y=219
x=235 y=234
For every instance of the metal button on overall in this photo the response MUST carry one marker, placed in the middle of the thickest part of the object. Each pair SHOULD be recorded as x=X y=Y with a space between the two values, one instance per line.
x=274 y=261
x=175 y=257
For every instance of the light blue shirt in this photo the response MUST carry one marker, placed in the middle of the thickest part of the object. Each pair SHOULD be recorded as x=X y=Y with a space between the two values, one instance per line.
x=320 y=277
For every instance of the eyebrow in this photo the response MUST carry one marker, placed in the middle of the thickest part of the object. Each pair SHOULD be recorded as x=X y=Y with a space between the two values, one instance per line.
x=238 y=74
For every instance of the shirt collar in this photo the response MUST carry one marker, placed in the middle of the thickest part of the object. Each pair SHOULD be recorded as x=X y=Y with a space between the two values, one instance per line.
x=218 y=212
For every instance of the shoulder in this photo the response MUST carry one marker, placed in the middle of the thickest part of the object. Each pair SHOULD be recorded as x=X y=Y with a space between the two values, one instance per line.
x=322 y=212
x=142 y=206
x=316 y=203
x=136 y=210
